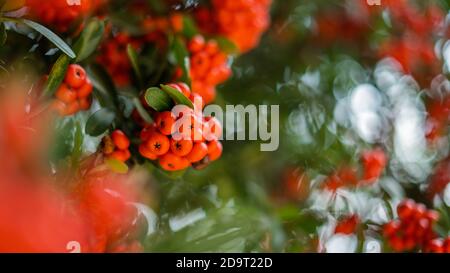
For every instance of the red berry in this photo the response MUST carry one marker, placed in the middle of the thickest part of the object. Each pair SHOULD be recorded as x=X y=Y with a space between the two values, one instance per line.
x=85 y=90
x=198 y=152
x=65 y=94
x=120 y=140
x=158 y=144
x=120 y=155
x=145 y=152
x=214 y=150
x=406 y=209
x=181 y=147
x=76 y=76
x=165 y=122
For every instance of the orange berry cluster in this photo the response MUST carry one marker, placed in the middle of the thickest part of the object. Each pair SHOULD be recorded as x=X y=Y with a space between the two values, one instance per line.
x=157 y=28
x=413 y=229
x=116 y=146
x=242 y=21
x=74 y=94
x=114 y=57
x=208 y=67
x=196 y=145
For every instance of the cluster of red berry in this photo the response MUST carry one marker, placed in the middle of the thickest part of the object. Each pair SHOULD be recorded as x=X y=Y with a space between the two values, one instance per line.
x=60 y=14
x=413 y=229
x=438 y=245
x=116 y=146
x=113 y=51
x=113 y=56
x=74 y=94
x=414 y=48
x=157 y=28
x=373 y=164
x=195 y=141
x=209 y=67
x=241 y=21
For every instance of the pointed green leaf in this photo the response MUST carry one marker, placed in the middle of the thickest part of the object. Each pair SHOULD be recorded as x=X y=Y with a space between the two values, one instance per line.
x=58 y=42
x=89 y=40
x=158 y=99
x=181 y=55
x=99 y=122
x=133 y=56
x=177 y=96
x=227 y=46
x=56 y=76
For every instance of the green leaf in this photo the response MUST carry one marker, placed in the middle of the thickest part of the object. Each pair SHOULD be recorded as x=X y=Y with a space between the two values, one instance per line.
x=189 y=27
x=117 y=166
x=181 y=55
x=56 y=75
x=133 y=56
x=3 y=34
x=158 y=99
x=105 y=90
x=227 y=46
x=100 y=121
x=77 y=144
x=58 y=42
x=177 y=96
x=89 y=39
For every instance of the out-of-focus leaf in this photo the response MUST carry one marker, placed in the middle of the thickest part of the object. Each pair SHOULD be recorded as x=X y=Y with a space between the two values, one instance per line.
x=181 y=55
x=56 y=75
x=133 y=56
x=227 y=45
x=177 y=96
x=117 y=166
x=189 y=28
x=58 y=42
x=158 y=99
x=3 y=34
x=78 y=143
x=106 y=92
x=99 y=122
x=228 y=229
x=11 y=5
x=89 y=40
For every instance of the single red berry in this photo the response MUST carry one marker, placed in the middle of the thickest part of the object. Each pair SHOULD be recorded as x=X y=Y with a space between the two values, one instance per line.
x=76 y=76
x=214 y=150
x=165 y=122
x=347 y=225
x=120 y=155
x=85 y=103
x=145 y=152
x=391 y=228
x=65 y=94
x=85 y=90
x=171 y=162
x=406 y=209
x=158 y=144
x=196 y=44
x=181 y=147
x=198 y=152
x=120 y=140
